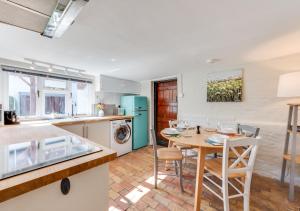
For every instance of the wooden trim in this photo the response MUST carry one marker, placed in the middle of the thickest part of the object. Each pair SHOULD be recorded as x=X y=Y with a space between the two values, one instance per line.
x=294 y=104
x=32 y=184
x=23 y=183
x=288 y=157
x=83 y=121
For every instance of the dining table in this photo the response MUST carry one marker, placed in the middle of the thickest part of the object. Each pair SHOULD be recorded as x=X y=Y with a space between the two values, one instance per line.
x=199 y=143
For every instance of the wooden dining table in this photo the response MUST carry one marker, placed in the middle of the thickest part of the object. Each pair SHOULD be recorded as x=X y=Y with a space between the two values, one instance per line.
x=197 y=141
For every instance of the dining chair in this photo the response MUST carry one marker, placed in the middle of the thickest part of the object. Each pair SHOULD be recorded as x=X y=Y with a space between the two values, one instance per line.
x=184 y=148
x=173 y=123
x=167 y=154
x=231 y=171
x=248 y=130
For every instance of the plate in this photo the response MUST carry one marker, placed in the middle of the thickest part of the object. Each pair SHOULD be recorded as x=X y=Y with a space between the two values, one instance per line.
x=218 y=138
x=171 y=131
x=228 y=131
x=211 y=129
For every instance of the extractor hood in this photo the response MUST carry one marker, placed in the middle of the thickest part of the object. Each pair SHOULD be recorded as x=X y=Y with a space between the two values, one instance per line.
x=63 y=16
x=50 y=18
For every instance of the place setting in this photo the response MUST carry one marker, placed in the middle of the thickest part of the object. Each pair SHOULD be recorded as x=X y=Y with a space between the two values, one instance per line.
x=178 y=129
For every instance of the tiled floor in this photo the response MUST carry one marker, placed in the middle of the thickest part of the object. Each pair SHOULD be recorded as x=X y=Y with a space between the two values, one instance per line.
x=131 y=188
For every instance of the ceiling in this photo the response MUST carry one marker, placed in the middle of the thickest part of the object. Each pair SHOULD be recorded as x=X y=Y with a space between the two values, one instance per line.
x=28 y=14
x=142 y=39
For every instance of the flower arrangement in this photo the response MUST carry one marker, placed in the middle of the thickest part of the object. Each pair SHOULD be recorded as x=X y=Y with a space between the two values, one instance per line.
x=100 y=106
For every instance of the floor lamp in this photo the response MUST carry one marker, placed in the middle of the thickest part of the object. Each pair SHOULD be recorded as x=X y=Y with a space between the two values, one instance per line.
x=289 y=86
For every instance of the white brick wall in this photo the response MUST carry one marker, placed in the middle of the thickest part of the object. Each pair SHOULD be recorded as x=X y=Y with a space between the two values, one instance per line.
x=260 y=107
x=269 y=157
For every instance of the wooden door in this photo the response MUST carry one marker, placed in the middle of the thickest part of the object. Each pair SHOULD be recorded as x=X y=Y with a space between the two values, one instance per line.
x=165 y=106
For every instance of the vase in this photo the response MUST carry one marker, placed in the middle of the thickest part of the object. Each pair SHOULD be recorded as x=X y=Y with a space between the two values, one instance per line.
x=101 y=113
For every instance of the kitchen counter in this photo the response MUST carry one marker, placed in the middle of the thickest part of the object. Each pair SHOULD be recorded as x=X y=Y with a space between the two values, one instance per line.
x=24 y=183
x=89 y=120
x=76 y=120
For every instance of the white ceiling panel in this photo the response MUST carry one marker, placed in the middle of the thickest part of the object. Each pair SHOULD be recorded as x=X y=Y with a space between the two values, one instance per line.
x=142 y=39
x=23 y=18
x=42 y=6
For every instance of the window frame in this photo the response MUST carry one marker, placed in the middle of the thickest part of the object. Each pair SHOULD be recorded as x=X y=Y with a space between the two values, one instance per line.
x=42 y=90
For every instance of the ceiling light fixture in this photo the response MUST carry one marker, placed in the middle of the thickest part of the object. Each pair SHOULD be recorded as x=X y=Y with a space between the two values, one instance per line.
x=63 y=17
x=212 y=61
x=32 y=65
x=51 y=67
x=113 y=59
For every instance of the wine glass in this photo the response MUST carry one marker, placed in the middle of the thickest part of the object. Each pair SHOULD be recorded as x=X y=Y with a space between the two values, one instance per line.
x=187 y=127
x=219 y=126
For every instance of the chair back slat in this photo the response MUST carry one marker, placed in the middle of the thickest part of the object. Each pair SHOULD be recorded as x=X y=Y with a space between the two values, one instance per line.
x=244 y=161
x=248 y=130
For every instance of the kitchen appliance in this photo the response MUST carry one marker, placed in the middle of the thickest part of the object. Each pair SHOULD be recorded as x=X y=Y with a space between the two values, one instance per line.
x=121 y=136
x=22 y=157
x=120 y=111
x=137 y=107
x=10 y=118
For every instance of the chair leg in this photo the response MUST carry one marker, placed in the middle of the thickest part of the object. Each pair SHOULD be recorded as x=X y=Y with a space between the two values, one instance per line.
x=176 y=168
x=180 y=176
x=225 y=195
x=247 y=192
x=155 y=173
x=246 y=203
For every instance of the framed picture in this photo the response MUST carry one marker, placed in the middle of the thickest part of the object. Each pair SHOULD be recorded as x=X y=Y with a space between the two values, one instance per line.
x=225 y=86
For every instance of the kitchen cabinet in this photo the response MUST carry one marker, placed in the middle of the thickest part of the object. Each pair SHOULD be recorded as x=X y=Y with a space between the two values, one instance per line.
x=98 y=132
x=116 y=85
x=78 y=129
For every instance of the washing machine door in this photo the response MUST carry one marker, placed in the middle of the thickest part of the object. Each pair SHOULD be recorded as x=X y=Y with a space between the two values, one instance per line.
x=122 y=134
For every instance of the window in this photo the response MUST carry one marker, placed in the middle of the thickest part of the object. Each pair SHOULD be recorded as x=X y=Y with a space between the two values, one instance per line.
x=40 y=96
x=55 y=104
x=80 y=94
x=55 y=84
x=22 y=94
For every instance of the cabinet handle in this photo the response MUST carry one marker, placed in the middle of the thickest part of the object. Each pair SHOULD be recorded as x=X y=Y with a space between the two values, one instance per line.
x=87 y=131
x=83 y=131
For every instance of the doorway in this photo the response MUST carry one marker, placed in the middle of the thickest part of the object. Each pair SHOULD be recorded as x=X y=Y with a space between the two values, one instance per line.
x=165 y=106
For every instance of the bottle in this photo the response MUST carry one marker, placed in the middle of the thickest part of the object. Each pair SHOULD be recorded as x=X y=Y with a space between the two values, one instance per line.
x=198 y=129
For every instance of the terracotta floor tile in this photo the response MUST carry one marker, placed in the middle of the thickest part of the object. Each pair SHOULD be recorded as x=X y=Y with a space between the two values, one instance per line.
x=134 y=172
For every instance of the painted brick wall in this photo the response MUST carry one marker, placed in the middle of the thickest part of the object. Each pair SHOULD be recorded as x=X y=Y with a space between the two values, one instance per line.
x=260 y=107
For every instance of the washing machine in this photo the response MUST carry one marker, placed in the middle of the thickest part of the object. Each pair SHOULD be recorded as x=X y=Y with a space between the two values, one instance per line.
x=121 y=136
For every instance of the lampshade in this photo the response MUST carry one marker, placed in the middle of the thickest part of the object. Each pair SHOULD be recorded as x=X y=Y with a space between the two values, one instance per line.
x=289 y=85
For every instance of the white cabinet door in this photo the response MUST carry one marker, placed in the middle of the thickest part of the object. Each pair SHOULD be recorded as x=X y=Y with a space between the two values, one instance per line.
x=116 y=85
x=99 y=132
x=77 y=129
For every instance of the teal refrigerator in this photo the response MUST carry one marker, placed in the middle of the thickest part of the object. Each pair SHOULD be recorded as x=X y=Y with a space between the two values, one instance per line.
x=137 y=106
